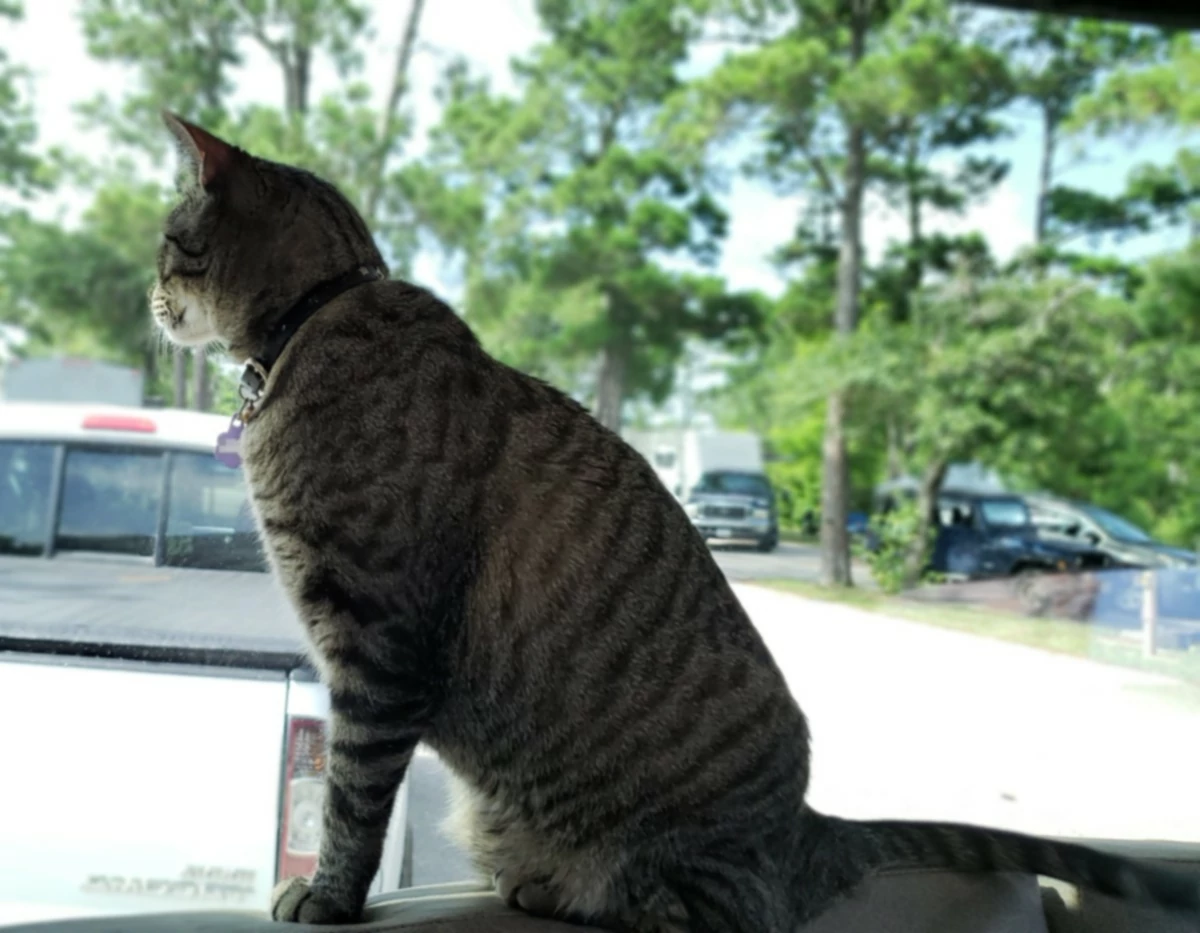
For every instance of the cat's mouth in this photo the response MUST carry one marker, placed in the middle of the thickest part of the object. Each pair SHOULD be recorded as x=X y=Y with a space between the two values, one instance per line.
x=181 y=318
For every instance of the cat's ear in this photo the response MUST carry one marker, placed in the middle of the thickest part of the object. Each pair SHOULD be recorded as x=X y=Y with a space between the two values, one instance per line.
x=214 y=158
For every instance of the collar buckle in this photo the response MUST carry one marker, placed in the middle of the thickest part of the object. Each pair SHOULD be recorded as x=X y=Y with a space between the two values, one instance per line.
x=251 y=388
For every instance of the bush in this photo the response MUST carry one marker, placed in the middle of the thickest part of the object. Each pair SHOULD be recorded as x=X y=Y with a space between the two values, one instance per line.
x=895 y=535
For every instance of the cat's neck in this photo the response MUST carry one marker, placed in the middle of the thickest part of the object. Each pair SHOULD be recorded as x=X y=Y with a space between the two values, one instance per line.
x=283 y=314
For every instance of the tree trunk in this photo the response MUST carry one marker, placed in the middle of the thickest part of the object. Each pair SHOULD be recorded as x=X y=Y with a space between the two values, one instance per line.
x=387 y=116
x=895 y=448
x=835 y=496
x=296 y=66
x=149 y=372
x=610 y=385
x=931 y=484
x=835 y=481
x=179 y=363
x=201 y=388
x=914 y=266
x=1045 y=176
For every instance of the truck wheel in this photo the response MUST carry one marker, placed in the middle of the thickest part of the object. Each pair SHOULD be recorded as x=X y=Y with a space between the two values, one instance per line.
x=1034 y=600
x=406 y=866
x=767 y=544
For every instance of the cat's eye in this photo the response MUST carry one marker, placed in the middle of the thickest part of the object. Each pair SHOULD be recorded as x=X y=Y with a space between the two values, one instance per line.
x=191 y=250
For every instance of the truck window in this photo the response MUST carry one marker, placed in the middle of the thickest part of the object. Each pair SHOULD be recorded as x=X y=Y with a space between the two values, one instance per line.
x=25 y=485
x=1005 y=513
x=737 y=484
x=110 y=501
x=209 y=523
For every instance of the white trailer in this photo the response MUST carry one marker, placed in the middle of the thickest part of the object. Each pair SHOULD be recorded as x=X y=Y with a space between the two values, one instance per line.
x=681 y=457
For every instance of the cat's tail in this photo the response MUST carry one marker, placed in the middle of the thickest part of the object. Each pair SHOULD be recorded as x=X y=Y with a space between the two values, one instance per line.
x=841 y=852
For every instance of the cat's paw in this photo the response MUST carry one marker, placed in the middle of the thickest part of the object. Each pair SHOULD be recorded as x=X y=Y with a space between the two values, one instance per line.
x=295 y=901
x=533 y=895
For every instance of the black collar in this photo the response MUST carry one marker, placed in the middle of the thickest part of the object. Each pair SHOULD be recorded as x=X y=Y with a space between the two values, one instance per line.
x=254 y=376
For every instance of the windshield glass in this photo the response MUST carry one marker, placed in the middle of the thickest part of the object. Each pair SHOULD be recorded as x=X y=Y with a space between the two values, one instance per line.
x=1004 y=513
x=735 y=484
x=1118 y=527
x=849 y=286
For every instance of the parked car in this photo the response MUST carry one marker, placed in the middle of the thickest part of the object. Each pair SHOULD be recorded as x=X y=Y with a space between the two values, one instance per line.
x=1061 y=520
x=154 y=673
x=978 y=535
x=992 y=535
x=732 y=505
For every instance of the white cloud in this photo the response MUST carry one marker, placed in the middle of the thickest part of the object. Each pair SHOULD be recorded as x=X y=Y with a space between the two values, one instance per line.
x=1002 y=218
x=759 y=222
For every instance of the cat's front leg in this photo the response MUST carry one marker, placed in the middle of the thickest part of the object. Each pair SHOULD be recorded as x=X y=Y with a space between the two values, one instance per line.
x=366 y=764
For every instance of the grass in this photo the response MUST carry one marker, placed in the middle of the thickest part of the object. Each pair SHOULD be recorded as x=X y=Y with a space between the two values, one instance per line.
x=1060 y=636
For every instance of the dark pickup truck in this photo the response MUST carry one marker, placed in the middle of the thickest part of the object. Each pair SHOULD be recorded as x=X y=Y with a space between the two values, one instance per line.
x=982 y=535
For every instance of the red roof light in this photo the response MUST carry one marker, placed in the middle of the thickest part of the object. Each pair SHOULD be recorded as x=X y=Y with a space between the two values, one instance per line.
x=119 y=423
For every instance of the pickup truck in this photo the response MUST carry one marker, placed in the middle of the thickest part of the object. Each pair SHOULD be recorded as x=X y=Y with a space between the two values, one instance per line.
x=735 y=505
x=164 y=735
x=981 y=535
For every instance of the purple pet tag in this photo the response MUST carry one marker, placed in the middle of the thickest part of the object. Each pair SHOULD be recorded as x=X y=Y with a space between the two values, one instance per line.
x=229 y=445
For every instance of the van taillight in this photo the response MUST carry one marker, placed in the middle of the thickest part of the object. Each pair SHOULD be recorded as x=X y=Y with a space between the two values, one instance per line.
x=303 y=798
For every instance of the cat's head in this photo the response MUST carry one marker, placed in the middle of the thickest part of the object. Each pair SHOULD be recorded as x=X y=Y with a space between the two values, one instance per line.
x=247 y=239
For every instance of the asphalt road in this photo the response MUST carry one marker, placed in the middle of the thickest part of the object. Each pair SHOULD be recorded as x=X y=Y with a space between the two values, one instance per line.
x=918 y=722
x=789 y=561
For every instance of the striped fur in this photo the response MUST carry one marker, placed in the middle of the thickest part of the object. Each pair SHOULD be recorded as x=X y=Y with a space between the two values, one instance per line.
x=479 y=565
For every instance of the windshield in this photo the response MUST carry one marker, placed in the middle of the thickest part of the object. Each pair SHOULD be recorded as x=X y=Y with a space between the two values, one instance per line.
x=1004 y=513
x=856 y=285
x=735 y=484
x=1118 y=527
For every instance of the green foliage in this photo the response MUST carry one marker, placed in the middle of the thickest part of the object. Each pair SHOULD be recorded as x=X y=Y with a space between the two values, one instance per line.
x=573 y=223
x=991 y=368
x=84 y=289
x=585 y=212
x=20 y=168
x=899 y=533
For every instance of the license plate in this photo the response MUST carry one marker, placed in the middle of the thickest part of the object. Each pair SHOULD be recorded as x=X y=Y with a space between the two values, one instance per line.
x=724 y=532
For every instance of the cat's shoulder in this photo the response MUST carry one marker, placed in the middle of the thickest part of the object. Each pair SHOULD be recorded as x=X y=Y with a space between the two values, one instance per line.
x=406 y=303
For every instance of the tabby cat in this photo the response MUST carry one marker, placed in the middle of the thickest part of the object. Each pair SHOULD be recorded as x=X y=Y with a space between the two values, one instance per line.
x=481 y=566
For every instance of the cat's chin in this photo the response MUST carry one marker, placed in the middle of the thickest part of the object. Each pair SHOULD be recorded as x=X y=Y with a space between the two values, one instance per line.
x=189 y=338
